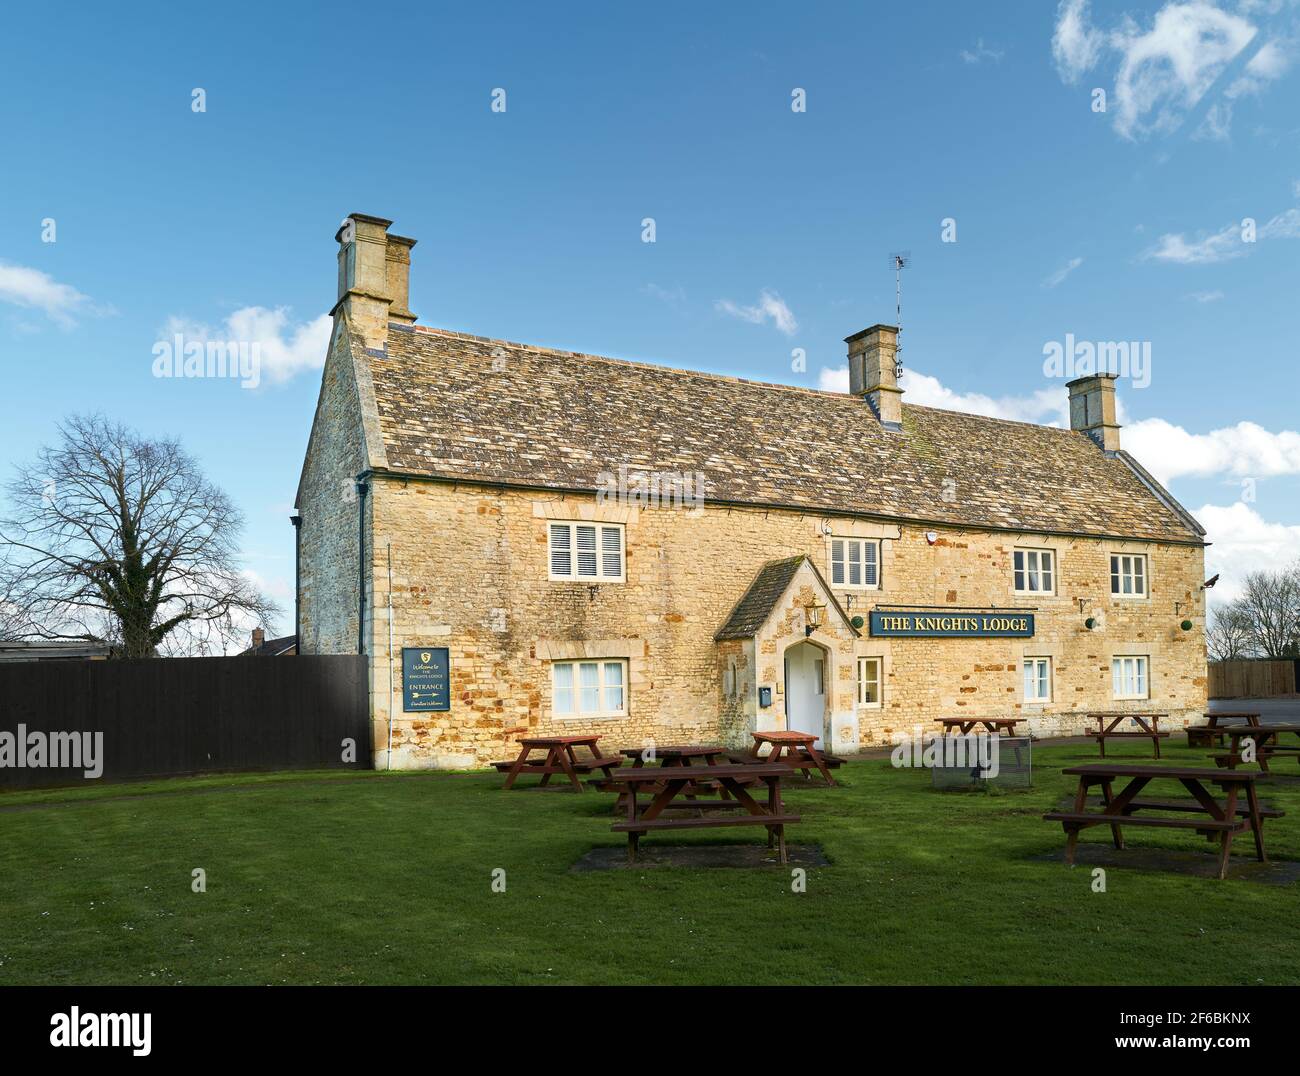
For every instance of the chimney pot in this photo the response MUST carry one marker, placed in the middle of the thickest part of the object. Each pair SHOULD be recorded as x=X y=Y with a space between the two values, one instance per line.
x=374 y=277
x=259 y=637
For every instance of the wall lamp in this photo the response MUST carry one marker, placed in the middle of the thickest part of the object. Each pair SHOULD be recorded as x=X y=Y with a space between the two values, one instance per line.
x=812 y=618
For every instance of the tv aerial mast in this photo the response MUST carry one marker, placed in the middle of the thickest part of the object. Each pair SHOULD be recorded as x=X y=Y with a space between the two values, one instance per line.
x=898 y=261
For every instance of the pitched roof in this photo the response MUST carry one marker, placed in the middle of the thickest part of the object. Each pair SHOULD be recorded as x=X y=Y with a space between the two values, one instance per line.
x=768 y=587
x=455 y=406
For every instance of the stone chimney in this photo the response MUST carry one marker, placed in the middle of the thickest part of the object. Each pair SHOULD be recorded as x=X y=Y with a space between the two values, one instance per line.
x=871 y=373
x=1092 y=409
x=374 y=277
x=259 y=637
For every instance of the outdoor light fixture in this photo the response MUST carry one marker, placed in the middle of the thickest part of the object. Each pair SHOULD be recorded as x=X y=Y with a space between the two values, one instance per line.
x=813 y=618
x=1090 y=623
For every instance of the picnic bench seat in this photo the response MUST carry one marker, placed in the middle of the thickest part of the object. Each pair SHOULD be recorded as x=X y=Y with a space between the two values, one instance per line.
x=580 y=765
x=1148 y=728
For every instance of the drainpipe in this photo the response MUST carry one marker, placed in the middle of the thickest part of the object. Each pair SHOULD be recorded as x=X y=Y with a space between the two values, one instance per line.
x=362 y=489
x=296 y=520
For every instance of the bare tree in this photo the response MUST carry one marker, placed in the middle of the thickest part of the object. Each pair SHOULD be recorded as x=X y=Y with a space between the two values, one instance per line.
x=1271 y=600
x=1230 y=634
x=112 y=536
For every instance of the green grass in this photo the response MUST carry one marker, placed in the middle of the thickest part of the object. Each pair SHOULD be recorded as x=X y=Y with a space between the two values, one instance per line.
x=377 y=878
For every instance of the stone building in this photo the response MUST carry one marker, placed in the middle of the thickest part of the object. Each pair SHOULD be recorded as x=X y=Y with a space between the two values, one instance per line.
x=528 y=539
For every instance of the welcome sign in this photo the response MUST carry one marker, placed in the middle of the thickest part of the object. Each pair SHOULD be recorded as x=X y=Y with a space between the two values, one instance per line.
x=426 y=683
x=903 y=623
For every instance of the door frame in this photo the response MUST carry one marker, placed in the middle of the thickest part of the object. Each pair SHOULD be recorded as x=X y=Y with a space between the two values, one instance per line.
x=827 y=673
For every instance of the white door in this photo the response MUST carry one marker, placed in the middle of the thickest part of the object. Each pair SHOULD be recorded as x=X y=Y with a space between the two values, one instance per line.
x=805 y=689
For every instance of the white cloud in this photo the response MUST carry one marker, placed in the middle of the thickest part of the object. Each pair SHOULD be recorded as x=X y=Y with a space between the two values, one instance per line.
x=981 y=52
x=286 y=349
x=1060 y=274
x=1295 y=187
x=1205 y=296
x=1245 y=450
x=770 y=306
x=1046 y=406
x=61 y=303
x=1166 y=69
x=1223 y=245
x=1243 y=542
x=1076 y=46
x=674 y=296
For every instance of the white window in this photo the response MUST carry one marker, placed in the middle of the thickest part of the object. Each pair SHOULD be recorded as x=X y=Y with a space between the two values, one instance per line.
x=590 y=688
x=1129 y=677
x=1128 y=575
x=868 y=681
x=586 y=551
x=855 y=562
x=1038 y=679
x=1033 y=571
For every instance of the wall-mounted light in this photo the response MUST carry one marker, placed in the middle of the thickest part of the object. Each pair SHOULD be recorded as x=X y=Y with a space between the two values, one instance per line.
x=931 y=537
x=1090 y=623
x=812 y=618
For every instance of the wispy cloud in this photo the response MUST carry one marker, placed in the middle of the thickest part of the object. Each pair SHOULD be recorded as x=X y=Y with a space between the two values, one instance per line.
x=770 y=306
x=1059 y=276
x=674 y=296
x=1223 y=245
x=33 y=289
x=1205 y=296
x=287 y=348
x=1165 y=69
x=982 y=52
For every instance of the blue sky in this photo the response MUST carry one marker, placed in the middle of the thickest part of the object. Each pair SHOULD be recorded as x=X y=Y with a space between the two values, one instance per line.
x=773 y=226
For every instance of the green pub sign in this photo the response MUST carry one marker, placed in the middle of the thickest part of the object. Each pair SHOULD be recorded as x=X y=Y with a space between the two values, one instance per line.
x=426 y=678
x=922 y=623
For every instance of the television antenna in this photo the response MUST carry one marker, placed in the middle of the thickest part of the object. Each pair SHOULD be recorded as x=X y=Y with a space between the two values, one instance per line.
x=898 y=261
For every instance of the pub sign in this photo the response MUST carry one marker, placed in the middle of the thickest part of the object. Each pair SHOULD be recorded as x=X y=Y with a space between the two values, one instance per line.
x=926 y=623
x=426 y=678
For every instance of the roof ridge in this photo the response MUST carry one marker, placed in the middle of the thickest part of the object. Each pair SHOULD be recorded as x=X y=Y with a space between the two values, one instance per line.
x=432 y=330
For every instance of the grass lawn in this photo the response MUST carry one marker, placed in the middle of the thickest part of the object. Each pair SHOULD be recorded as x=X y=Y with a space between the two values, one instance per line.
x=377 y=878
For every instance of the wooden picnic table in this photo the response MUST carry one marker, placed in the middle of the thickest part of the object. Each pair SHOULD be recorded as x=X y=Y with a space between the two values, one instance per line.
x=1265 y=738
x=793 y=749
x=734 y=777
x=1208 y=734
x=560 y=758
x=994 y=725
x=1148 y=724
x=1226 y=819
x=675 y=756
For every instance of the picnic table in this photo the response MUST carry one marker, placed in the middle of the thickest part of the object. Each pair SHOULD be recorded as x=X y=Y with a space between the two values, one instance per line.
x=794 y=749
x=675 y=781
x=1207 y=735
x=1266 y=744
x=559 y=758
x=1148 y=727
x=1226 y=819
x=674 y=756
x=994 y=725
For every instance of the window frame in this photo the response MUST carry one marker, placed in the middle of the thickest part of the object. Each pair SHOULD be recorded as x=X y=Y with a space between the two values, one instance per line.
x=1142 y=674
x=1023 y=551
x=1036 y=660
x=1118 y=575
x=861 y=544
x=600 y=527
x=602 y=687
x=879 y=663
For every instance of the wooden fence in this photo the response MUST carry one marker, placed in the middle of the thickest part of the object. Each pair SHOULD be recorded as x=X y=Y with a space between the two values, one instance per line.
x=171 y=716
x=1252 y=679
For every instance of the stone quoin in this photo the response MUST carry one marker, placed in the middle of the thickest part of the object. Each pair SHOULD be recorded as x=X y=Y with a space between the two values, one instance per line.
x=456 y=496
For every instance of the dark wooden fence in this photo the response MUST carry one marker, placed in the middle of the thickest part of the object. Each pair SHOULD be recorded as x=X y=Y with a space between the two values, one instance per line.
x=1252 y=679
x=172 y=716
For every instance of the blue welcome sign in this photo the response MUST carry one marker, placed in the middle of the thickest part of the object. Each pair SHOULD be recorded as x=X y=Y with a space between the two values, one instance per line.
x=426 y=678
x=902 y=623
